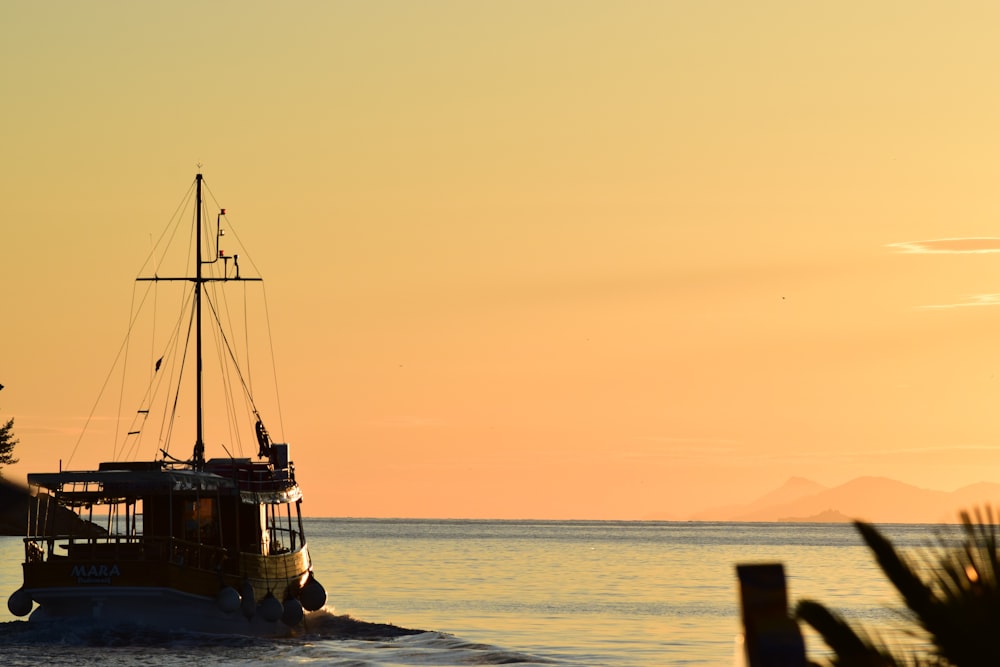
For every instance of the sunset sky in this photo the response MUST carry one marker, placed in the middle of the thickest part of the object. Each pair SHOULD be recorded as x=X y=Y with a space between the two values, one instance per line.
x=574 y=259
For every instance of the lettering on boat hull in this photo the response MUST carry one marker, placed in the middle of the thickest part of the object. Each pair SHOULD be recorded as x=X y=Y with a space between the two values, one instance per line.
x=95 y=573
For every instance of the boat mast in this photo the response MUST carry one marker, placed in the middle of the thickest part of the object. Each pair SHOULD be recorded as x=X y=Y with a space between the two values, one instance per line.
x=199 y=280
x=199 y=443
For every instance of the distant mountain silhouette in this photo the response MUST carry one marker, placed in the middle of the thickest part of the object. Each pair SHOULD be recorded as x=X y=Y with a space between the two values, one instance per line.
x=792 y=490
x=873 y=499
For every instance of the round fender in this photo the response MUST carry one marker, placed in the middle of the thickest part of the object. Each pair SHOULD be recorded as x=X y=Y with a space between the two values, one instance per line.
x=293 y=613
x=271 y=608
x=248 y=600
x=313 y=595
x=228 y=600
x=19 y=603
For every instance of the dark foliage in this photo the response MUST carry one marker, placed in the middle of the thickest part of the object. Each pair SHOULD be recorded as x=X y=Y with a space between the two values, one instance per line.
x=952 y=590
x=850 y=647
x=7 y=443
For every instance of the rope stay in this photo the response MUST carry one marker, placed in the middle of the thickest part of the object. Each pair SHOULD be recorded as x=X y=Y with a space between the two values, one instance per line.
x=167 y=361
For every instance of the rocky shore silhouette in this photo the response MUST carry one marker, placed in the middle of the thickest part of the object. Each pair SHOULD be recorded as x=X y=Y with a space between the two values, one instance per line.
x=17 y=512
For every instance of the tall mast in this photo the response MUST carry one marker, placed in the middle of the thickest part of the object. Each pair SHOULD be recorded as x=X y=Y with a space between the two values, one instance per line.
x=199 y=443
x=199 y=280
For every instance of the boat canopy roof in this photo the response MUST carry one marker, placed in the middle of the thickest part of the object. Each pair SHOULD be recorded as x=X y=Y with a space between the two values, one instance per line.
x=106 y=484
x=114 y=481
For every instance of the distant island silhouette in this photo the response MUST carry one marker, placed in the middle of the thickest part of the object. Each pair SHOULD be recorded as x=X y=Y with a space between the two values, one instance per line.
x=827 y=516
x=17 y=505
x=872 y=499
x=798 y=500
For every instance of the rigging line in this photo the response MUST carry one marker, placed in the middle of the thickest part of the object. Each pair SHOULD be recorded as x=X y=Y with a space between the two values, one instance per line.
x=158 y=377
x=232 y=356
x=249 y=409
x=246 y=338
x=172 y=222
x=248 y=380
x=157 y=381
x=193 y=239
x=274 y=367
x=248 y=405
x=121 y=390
x=224 y=368
x=220 y=295
x=133 y=317
x=177 y=363
x=208 y=191
x=169 y=419
x=152 y=350
x=248 y=398
x=161 y=377
x=232 y=229
x=107 y=379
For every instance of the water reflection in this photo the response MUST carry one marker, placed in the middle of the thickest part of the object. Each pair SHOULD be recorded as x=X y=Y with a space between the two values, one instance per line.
x=589 y=593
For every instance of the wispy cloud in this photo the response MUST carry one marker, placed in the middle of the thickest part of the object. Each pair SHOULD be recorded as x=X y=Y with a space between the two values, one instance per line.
x=974 y=300
x=949 y=246
x=954 y=246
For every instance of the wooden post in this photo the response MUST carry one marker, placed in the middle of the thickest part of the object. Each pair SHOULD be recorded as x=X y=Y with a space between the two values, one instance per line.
x=771 y=637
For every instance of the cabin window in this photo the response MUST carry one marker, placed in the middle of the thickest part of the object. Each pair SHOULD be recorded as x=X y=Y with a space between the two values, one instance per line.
x=199 y=517
x=282 y=536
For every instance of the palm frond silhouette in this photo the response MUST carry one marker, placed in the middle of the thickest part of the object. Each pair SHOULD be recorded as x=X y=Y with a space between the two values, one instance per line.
x=952 y=590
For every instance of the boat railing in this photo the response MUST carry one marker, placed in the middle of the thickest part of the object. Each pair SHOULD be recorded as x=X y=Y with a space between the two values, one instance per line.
x=125 y=548
x=258 y=478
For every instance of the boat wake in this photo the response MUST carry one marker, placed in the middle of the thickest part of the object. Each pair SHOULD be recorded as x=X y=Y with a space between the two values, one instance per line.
x=326 y=624
x=322 y=624
x=327 y=638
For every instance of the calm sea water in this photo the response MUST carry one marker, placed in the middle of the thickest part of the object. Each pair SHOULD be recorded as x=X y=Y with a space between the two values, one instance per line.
x=624 y=594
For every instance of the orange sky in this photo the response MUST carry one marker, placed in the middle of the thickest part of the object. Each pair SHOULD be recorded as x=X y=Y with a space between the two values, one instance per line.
x=532 y=259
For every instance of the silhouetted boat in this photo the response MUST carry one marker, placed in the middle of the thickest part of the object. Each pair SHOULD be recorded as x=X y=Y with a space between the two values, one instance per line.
x=212 y=545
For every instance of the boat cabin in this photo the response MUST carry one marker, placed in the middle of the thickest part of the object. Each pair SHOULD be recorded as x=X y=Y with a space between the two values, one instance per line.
x=153 y=511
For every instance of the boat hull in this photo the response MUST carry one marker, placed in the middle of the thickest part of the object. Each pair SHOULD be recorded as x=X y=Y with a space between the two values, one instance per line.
x=265 y=573
x=146 y=606
x=262 y=600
